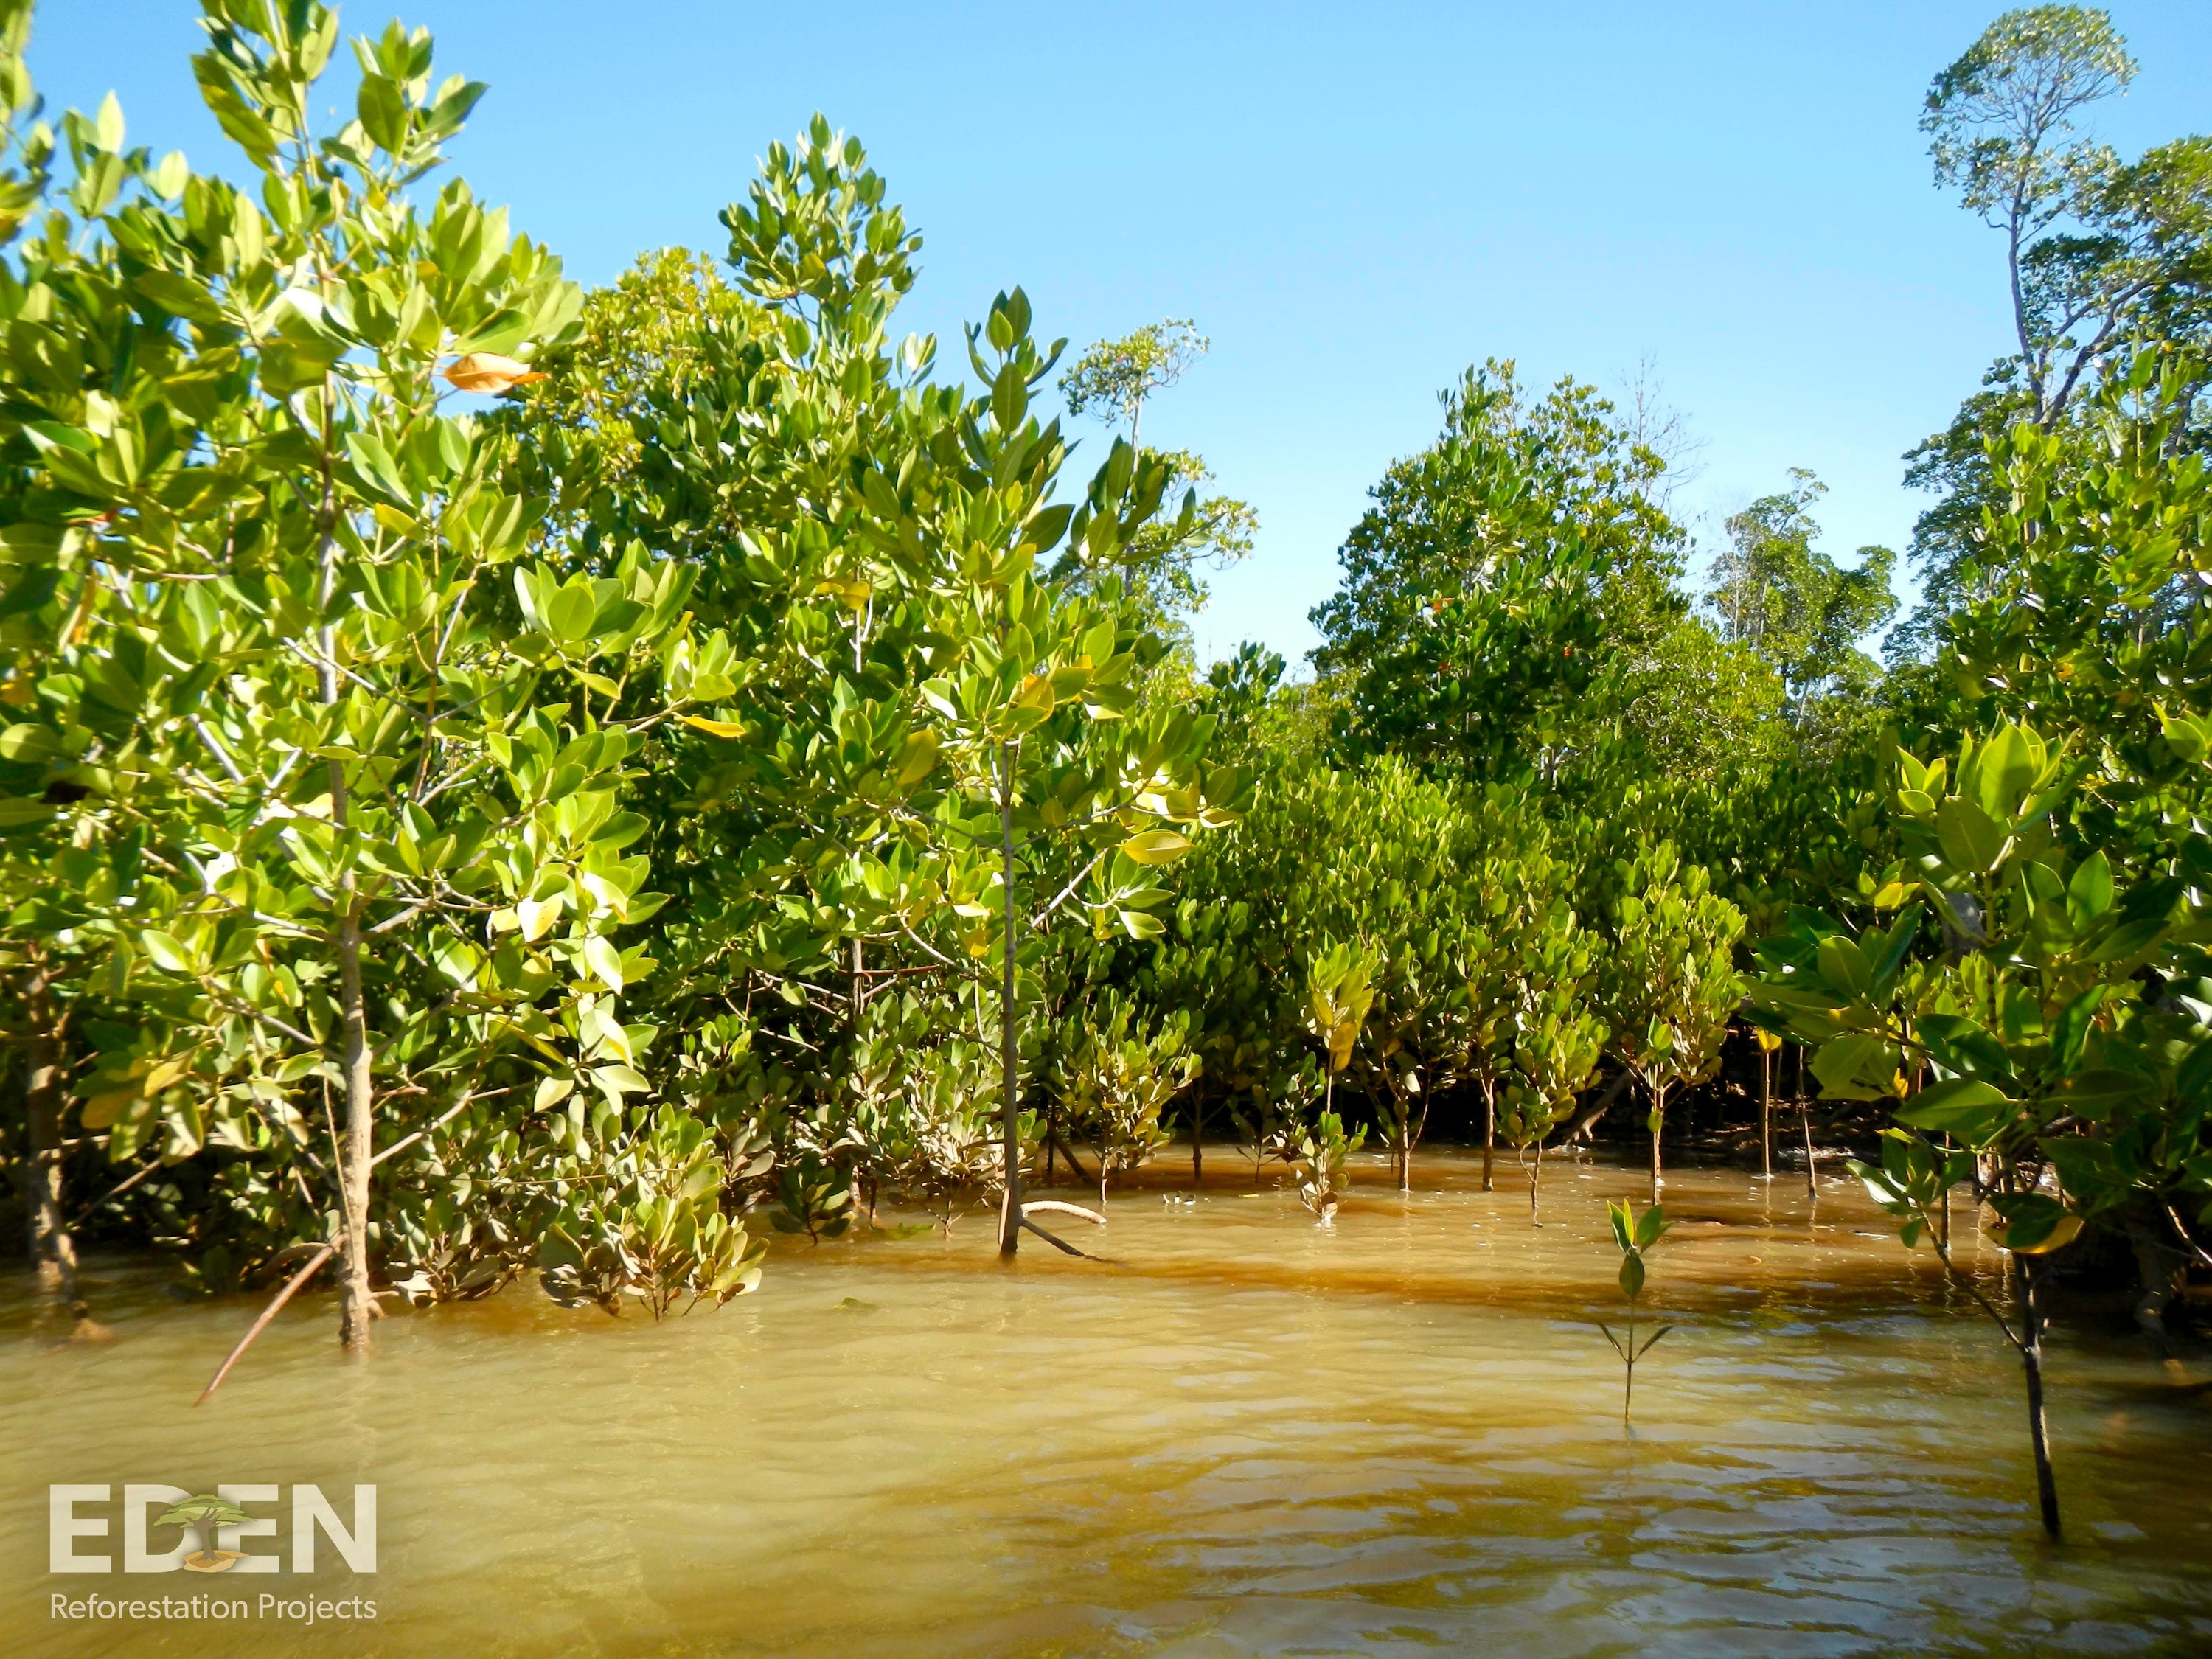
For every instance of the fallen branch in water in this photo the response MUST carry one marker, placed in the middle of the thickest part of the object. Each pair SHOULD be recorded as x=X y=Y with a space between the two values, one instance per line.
x=320 y=1256
x=1058 y=1208
x=1057 y=1243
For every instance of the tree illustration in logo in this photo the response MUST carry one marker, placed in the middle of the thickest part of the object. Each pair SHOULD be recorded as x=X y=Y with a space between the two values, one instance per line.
x=200 y=1517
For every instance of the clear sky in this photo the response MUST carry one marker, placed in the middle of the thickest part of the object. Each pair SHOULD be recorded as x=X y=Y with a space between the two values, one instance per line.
x=1355 y=202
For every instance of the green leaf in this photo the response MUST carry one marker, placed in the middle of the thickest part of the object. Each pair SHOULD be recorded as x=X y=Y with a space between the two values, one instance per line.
x=180 y=296
x=1966 y=1107
x=1960 y=1045
x=28 y=742
x=570 y=613
x=2089 y=894
x=1844 y=966
x=1631 y=1275
x=167 y=952
x=1857 y=1065
x=2127 y=940
x=2092 y=1094
x=1972 y=840
x=604 y=961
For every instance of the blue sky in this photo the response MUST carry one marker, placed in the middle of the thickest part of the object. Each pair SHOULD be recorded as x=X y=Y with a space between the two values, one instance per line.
x=1354 y=202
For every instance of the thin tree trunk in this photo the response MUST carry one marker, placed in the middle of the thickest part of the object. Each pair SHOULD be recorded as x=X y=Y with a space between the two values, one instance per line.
x=1766 y=1115
x=1405 y=1148
x=859 y=993
x=1535 y=1180
x=1943 y=1221
x=1628 y=1387
x=1489 y=1131
x=356 y=1306
x=1812 y=1181
x=1658 y=1123
x=1009 y=1216
x=2046 y=1483
x=51 y=1246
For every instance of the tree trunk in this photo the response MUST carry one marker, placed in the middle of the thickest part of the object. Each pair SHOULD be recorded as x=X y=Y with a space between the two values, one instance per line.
x=51 y=1248
x=1535 y=1180
x=2160 y=1275
x=1628 y=1384
x=1404 y=1150
x=356 y=1306
x=860 y=966
x=1010 y=1214
x=1812 y=1182
x=2046 y=1484
x=1658 y=1122
x=1489 y=1131
x=1765 y=1115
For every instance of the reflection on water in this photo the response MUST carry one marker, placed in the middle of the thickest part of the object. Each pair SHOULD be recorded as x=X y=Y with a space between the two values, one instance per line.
x=1247 y=1436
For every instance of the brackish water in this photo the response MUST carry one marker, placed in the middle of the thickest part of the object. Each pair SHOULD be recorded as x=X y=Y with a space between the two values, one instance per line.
x=1249 y=1435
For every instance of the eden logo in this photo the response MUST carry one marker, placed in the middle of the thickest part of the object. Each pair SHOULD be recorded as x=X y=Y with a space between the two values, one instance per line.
x=215 y=1528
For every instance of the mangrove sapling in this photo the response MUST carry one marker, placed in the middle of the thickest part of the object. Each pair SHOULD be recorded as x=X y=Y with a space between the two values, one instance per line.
x=2062 y=1092
x=1674 y=982
x=1634 y=1234
x=1322 y=1153
x=1492 y=988
x=1768 y=1042
x=1339 y=991
x=1120 y=1077
x=811 y=1197
x=657 y=1230
x=200 y=1516
x=1557 y=1040
x=1050 y=765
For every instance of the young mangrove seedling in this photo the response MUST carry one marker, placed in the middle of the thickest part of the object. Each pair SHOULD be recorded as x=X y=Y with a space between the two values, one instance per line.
x=1634 y=1234
x=1323 y=1153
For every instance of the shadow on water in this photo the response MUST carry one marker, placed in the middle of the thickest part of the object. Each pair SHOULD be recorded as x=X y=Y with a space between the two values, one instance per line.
x=1252 y=1436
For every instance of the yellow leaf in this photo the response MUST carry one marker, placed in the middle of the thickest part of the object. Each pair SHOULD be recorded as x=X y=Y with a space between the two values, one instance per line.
x=2068 y=1230
x=714 y=728
x=854 y=593
x=1156 y=846
x=1340 y=1039
x=102 y=1110
x=165 y=1074
x=487 y=371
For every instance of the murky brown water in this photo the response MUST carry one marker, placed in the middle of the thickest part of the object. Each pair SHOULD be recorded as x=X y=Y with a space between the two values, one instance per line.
x=1250 y=1436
